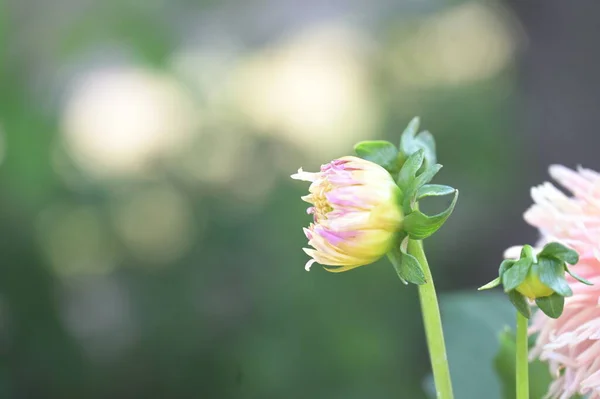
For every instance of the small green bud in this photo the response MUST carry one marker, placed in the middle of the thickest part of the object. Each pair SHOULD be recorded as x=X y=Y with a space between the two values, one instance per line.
x=541 y=278
x=532 y=287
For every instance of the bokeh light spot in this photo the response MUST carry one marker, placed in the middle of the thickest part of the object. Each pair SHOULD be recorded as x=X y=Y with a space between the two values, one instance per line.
x=156 y=224
x=76 y=240
x=467 y=43
x=118 y=121
x=313 y=89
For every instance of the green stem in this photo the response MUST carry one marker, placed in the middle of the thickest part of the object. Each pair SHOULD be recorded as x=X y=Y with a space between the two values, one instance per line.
x=522 y=358
x=433 y=325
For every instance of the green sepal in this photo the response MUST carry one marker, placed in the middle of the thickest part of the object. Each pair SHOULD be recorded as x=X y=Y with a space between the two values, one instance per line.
x=381 y=152
x=411 y=142
x=427 y=142
x=505 y=265
x=516 y=274
x=552 y=274
x=426 y=176
x=578 y=277
x=420 y=226
x=418 y=182
x=551 y=305
x=492 y=284
x=520 y=303
x=527 y=252
x=433 y=190
x=409 y=170
x=410 y=198
x=560 y=252
x=407 y=266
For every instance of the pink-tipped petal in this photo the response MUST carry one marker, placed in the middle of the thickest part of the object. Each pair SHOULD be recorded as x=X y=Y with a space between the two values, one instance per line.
x=355 y=213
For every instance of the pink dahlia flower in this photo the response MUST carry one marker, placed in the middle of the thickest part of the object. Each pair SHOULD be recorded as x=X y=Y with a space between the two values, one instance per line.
x=355 y=212
x=571 y=343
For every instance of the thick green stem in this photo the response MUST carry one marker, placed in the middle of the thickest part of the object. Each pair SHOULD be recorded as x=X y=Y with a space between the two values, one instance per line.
x=522 y=358
x=433 y=325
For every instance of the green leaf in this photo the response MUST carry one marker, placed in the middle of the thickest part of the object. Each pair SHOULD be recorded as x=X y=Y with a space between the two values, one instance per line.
x=409 y=170
x=520 y=303
x=407 y=138
x=561 y=252
x=410 y=196
x=426 y=176
x=527 y=252
x=516 y=274
x=552 y=273
x=551 y=305
x=420 y=226
x=395 y=258
x=407 y=266
x=505 y=265
x=434 y=190
x=381 y=152
x=505 y=367
x=411 y=142
x=492 y=284
x=427 y=142
x=411 y=270
x=578 y=277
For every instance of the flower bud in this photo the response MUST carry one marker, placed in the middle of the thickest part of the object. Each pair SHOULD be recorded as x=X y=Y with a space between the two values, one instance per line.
x=532 y=287
x=356 y=213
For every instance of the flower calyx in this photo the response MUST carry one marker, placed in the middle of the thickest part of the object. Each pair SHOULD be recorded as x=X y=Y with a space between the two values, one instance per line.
x=540 y=278
x=412 y=165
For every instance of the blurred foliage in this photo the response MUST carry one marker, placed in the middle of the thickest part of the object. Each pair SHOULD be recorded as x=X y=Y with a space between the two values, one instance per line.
x=472 y=322
x=481 y=347
x=141 y=261
x=504 y=363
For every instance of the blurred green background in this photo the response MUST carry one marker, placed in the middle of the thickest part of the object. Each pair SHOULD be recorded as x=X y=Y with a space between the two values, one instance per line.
x=150 y=235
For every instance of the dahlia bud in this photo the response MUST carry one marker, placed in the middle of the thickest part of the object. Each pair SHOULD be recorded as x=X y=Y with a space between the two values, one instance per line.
x=532 y=287
x=540 y=278
x=356 y=208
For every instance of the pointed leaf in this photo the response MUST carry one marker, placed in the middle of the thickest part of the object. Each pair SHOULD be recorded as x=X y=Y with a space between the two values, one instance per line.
x=381 y=152
x=551 y=305
x=427 y=142
x=409 y=170
x=411 y=270
x=578 y=277
x=407 y=266
x=410 y=142
x=410 y=196
x=552 y=273
x=407 y=138
x=426 y=176
x=527 y=252
x=434 y=190
x=516 y=274
x=520 y=303
x=492 y=284
x=420 y=226
x=506 y=263
x=395 y=258
x=559 y=251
